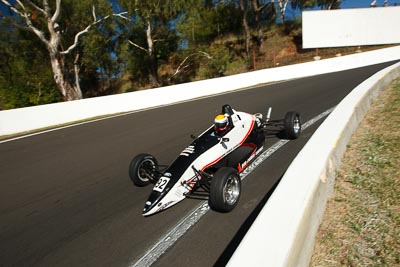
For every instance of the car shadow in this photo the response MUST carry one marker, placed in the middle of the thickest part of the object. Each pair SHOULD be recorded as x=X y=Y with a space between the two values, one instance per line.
x=230 y=249
x=276 y=129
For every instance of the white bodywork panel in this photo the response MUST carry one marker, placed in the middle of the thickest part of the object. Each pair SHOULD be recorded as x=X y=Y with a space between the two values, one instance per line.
x=243 y=123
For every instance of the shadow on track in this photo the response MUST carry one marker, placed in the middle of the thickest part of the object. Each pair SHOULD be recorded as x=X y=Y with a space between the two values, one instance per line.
x=230 y=249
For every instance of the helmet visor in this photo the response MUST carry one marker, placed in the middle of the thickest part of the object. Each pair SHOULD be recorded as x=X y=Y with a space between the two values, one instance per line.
x=221 y=126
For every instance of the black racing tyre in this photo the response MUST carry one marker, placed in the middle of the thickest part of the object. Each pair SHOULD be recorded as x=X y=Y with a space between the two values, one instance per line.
x=143 y=169
x=225 y=190
x=292 y=124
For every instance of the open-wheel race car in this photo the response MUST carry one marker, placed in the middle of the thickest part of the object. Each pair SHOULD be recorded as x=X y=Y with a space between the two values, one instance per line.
x=210 y=166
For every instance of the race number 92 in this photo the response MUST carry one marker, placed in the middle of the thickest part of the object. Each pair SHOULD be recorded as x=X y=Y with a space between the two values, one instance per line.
x=161 y=184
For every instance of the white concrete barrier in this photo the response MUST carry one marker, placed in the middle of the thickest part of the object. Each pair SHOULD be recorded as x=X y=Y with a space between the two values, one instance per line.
x=283 y=234
x=33 y=118
x=356 y=26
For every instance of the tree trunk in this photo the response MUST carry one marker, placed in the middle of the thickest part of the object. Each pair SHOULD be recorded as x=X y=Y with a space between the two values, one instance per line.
x=151 y=59
x=243 y=8
x=76 y=70
x=68 y=90
x=258 y=8
x=282 y=9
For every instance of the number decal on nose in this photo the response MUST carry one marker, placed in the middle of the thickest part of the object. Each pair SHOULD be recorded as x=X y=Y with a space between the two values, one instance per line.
x=161 y=184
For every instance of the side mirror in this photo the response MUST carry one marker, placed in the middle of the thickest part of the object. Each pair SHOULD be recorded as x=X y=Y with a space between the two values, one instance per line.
x=224 y=139
x=193 y=136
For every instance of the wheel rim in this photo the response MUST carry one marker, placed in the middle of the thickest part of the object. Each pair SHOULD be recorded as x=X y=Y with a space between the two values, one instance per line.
x=231 y=190
x=144 y=168
x=296 y=124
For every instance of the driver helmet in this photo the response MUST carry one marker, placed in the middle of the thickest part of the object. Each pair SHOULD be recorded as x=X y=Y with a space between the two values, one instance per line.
x=221 y=123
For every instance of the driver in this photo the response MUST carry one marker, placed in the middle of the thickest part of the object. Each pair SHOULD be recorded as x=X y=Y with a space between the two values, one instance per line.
x=221 y=124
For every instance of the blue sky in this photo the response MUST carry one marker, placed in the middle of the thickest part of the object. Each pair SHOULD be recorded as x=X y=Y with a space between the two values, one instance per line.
x=346 y=4
x=290 y=13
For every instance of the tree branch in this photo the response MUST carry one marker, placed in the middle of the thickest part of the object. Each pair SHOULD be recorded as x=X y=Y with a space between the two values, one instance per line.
x=257 y=7
x=22 y=5
x=28 y=22
x=36 y=31
x=13 y=8
x=36 y=7
x=182 y=67
x=56 y=14
x=137 y=46
x=76 y=41
x=94 y=13
x=158 y=40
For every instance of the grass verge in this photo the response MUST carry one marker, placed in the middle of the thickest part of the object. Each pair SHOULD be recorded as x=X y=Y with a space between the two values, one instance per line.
x=361 y=225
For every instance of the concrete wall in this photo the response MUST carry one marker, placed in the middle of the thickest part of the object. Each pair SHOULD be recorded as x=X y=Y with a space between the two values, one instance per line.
x=283 y=234
x=351 y=27
x=33 y=118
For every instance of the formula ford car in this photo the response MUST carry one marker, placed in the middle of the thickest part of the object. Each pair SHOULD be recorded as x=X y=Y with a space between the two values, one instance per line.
x=209 y=167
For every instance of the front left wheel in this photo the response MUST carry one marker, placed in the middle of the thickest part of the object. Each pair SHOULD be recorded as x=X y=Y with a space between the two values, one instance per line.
x=143 y=170
x=225 y=190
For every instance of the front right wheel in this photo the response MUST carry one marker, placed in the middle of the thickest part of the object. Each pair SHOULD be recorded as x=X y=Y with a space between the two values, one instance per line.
x=225 y=190
x=143 y=169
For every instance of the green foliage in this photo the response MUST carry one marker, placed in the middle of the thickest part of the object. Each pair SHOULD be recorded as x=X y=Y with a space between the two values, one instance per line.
x=203 y=25
x=142 y=59
x=216 y=66
x=22 y=81
x=99 y=68
x=187 y=38
x=326 y=4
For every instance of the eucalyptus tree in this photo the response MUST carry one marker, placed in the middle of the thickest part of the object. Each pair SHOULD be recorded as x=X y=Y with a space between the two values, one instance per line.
x=25 y=75
x=282 y=5
x=329 y=4
x=326 y=4
x=243 y=6
x=60 y=26
x=261 y=7
x=155 y=22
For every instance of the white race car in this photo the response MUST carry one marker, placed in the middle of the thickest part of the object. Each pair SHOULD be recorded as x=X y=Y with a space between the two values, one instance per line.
x=210 y=166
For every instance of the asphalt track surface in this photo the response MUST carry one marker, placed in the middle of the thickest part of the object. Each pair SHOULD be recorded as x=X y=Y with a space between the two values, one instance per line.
x=66 y=198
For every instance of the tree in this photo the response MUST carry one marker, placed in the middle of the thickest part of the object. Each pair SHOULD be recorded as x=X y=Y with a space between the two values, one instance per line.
x=155 y=19
x=327 y=4
x=282 y=5
x=200 y=25
x=25 y=78
x=243 y=5
x=45 y=23
x=258 y=8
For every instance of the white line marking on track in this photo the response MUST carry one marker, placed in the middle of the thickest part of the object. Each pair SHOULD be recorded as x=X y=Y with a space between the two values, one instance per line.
x=193 y=217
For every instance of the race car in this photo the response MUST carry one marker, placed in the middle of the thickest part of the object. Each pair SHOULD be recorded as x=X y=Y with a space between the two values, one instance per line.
x=210 y=166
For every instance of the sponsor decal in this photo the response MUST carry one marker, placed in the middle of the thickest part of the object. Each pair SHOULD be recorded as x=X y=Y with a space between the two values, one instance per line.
x=180 y=191
x=242 y=166
x=187 y=151
x=235 y=118
x=164 y=206
x=233 y=148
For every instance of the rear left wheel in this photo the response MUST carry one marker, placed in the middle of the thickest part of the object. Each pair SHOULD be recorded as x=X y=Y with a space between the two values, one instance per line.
x=225 y=190
x=292 y=123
